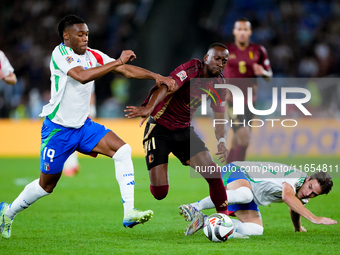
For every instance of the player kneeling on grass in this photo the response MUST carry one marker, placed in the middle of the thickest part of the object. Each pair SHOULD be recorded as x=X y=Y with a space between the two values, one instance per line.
x=250 y=184
x=67 y=128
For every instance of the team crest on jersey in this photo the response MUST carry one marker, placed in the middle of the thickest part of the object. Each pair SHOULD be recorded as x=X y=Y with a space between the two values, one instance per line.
x=46 y=166
x=251 y=55
x=182 y=75
x=151 y=158
x=69 y=59
x=232 y=56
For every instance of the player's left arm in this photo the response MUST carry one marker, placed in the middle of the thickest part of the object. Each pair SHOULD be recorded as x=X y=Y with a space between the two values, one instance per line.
x=135 y=72
x=144 y=112
x=296 y=220
x=221 y=136
x=263 y=68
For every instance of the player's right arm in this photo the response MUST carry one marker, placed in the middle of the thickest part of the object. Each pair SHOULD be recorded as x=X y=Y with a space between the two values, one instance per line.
x=83 y=76
x=296 y=220
x=288 y=196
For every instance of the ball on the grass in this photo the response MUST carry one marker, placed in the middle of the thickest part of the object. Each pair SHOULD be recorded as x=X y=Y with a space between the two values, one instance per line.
x=218 y=227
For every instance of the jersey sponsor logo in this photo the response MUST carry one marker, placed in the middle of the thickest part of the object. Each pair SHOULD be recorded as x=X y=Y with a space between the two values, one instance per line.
x=182 y=75
x=232 y=56
x=69 y=59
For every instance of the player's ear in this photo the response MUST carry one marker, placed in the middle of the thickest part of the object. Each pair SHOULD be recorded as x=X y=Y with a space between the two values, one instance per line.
x=66 y=35
x=205 y=58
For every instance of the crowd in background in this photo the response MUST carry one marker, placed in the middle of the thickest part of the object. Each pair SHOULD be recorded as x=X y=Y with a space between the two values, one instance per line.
x=302 y=39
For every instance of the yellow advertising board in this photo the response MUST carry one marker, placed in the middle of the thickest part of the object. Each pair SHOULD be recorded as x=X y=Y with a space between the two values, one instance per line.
x=311 y=137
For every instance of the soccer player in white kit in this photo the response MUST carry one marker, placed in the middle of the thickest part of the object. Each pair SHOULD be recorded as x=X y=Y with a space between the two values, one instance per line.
x=251 y=184
x=67 y=127
x=6 y=70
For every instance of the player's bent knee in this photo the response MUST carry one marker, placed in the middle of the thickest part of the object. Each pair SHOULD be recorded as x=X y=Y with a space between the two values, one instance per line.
x=123 y=152
x=159 y=192
x=245 y=194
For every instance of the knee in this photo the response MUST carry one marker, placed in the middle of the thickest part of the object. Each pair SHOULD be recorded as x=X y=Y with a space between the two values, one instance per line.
x=159 y=192
x=123 y=152
x=246 y=194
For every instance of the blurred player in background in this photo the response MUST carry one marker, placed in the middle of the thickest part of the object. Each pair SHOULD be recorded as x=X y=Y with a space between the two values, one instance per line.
x=71 y=166
x=169 y=130
x=6 y=70
x=66 y=127
x=251 y=184
x=247 y=61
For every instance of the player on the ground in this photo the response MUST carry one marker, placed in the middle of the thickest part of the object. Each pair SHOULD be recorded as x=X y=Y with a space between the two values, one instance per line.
x=246 y=61
x=168 y=128
x=66 y=127
x=251 y=184
x=6 y=70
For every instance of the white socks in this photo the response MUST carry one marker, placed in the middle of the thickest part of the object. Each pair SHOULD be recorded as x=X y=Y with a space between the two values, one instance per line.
x=31 y=193
x=247 y=228
x=242 y=195
x=125 y=176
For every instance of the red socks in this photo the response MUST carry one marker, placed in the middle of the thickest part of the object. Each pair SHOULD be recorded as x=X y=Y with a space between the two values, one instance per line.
x=217 y=190
x=159 y=192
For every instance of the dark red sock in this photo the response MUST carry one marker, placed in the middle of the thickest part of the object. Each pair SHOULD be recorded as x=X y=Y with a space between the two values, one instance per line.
x=230 y=157
x=240 y=153
x=159 y=192
x=217 y=191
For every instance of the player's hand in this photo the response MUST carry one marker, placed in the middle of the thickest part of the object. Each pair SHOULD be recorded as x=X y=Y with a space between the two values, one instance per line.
x=2 y=74
x=134 y=112
x=167 y=81
x=127 y=55
x=223 y=152
x=302 y=229
x=258 y=69
x=324 y=220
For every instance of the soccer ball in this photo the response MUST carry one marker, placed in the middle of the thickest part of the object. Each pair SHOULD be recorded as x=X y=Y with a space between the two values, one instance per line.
x=218 y=227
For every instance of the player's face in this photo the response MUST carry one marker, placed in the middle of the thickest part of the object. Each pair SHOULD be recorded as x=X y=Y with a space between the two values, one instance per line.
x=310 y=189
x=215 y=61
x=76 y=37
x=242 y=31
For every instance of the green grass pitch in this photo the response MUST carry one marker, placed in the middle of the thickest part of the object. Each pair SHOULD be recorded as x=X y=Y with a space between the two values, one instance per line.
x=84 y=215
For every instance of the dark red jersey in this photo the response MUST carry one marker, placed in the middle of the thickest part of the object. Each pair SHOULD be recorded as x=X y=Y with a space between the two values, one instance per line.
x=240 y=65
x=177 y=110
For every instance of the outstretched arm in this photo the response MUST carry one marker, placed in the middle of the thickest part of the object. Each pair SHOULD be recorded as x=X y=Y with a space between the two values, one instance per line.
x=136 y=72
x=157 y=97
x=83 y=76
x=288 y=196
x=221 y=136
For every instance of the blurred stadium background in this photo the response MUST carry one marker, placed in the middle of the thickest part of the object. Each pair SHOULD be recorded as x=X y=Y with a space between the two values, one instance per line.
x=302 y=39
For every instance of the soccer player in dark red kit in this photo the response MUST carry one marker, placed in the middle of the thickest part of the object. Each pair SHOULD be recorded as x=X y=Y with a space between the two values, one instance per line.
x=169 y=130
x=246 y=62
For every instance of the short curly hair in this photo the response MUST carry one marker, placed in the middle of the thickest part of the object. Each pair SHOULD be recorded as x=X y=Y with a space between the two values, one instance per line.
x=66 y=22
